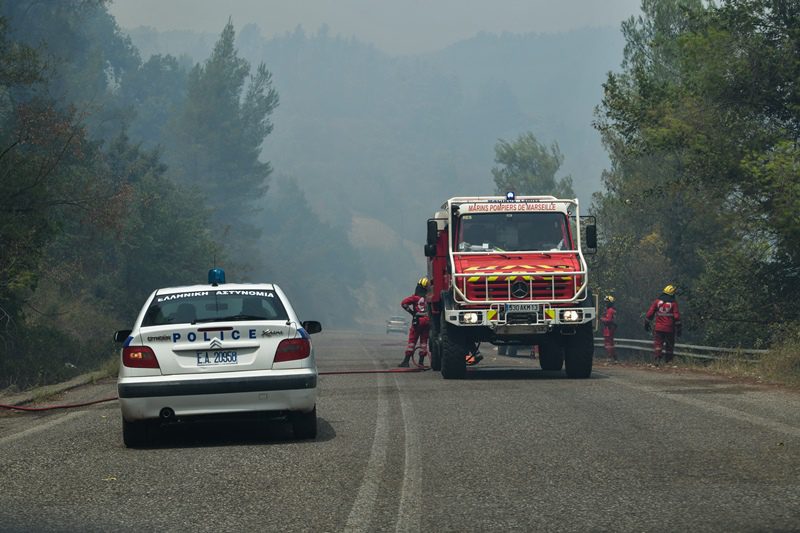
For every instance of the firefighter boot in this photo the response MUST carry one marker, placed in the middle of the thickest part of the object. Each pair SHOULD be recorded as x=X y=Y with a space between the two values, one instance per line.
x=406 y=359
x=421 y=360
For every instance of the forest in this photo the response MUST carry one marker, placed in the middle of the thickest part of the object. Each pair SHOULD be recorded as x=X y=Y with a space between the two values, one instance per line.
x=125 y=168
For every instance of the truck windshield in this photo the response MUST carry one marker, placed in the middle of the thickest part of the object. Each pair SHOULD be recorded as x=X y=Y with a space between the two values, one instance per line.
x=513 y=232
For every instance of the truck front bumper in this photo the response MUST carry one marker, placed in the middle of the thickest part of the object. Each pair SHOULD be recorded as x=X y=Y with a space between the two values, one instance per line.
x=532 y=319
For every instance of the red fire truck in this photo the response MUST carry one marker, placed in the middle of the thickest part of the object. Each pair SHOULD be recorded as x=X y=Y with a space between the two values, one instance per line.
x=510 y=270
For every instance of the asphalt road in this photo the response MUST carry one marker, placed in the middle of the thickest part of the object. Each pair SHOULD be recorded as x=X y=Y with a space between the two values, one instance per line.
x=511 y=448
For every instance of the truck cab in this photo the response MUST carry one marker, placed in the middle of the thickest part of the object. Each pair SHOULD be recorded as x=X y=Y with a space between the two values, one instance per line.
x=510 y=271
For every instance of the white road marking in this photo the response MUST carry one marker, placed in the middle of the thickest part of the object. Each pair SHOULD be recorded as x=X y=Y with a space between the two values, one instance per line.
x=408 y=516
x=364 y=505
x=41 y=427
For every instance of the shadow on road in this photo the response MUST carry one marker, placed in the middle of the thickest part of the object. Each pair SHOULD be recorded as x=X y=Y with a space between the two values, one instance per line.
x=201 y=433
x=489 y=373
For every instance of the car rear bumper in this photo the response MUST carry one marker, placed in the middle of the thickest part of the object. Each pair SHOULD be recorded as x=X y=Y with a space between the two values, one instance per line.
x=144 y=398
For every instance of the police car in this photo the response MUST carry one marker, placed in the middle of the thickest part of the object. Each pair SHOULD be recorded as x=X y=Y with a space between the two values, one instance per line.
x=216 y=349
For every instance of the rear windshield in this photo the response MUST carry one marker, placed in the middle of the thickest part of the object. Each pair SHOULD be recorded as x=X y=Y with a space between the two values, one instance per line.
x=214 y=306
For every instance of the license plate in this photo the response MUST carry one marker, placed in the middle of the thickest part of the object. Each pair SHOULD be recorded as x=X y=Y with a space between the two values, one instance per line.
x=522 y=308
x=216 y=358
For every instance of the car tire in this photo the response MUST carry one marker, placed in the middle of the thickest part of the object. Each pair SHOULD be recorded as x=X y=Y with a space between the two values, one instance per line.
x=137 y=434
x=304 y=425
x=454 y=362
x=578 y=352
x=551 y=353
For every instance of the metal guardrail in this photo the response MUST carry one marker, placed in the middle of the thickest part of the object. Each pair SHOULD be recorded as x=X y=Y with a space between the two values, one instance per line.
x=690 y=351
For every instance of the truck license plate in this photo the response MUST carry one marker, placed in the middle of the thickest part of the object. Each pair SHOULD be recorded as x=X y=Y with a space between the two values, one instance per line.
x=522 y=308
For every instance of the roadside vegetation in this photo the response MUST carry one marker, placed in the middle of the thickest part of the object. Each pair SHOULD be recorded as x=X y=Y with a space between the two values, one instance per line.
x=119 y=176
x=702 y=125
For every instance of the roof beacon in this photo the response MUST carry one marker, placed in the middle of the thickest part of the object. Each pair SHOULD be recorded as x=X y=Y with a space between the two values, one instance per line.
x=216 y=276
x=510 y=196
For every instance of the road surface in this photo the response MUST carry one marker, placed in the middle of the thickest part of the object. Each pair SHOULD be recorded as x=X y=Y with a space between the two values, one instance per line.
x=511 y=448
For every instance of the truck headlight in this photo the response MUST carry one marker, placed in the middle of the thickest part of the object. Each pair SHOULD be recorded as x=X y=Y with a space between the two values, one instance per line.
x=469 y=318
x=571 y=315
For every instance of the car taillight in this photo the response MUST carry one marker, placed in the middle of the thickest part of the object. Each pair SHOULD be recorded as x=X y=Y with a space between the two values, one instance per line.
x=139 y=357
x=292 y=350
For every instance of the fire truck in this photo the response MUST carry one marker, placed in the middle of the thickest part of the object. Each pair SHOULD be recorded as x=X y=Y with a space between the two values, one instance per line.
x=510 y=270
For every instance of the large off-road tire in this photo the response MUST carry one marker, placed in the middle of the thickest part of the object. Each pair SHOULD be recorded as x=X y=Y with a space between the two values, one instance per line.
x=436 y=354
x=551 y=352
x=454 y=351
x=304 y=425
x=578 y=352
x=138 y=434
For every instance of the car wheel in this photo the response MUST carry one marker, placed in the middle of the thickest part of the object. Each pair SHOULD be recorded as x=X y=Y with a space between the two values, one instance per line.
x=137 y=434
x=578 y=352
x=304 y=425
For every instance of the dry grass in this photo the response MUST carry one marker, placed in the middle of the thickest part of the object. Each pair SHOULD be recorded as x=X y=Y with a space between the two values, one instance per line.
x=780 y=366
x=109 y=369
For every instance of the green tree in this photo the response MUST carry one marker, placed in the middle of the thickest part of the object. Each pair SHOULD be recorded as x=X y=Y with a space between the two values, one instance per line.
x=216 y=138
x=701 y=127
x=526 y=166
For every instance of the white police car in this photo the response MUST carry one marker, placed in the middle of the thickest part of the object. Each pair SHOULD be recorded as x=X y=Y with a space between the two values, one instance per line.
x=216 y=349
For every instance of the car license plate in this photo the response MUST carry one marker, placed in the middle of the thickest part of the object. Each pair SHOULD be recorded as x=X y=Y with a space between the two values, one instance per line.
x=216 y=358
x=522 y=308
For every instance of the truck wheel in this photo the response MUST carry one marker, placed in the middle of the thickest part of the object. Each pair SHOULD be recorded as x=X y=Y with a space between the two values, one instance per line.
x=436 y=354
x=454 y=351
x=578 y=352
x=551 y=353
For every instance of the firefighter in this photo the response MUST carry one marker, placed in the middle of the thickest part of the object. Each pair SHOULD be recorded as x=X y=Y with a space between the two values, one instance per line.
x=609 y=327
x=415 y=306
x=668 y=323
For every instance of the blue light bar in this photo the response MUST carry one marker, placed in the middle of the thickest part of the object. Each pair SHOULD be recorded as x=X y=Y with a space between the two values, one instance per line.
x=216 y=276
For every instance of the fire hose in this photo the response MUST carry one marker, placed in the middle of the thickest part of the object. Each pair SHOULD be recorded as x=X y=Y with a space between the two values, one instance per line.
x=419 y=368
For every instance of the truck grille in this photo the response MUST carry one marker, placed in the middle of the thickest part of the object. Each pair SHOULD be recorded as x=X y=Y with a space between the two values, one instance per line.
x=539 y=288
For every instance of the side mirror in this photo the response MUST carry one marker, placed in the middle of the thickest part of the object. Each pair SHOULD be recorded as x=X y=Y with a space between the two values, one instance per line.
x=122 y=335
x=591 y=236
x=433 y=232
x=311 y=326
x=430 y=250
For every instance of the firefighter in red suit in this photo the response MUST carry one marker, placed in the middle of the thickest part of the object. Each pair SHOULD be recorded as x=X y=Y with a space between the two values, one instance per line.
x=668 y=323
x=609 y=327
x=415 y=306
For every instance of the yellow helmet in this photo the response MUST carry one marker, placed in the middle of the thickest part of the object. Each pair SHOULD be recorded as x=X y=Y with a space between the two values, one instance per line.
x=609 y=299
x=670 y=289
x=424 y=282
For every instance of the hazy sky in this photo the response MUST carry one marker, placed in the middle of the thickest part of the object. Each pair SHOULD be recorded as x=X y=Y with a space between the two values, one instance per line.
x=395 y=26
